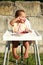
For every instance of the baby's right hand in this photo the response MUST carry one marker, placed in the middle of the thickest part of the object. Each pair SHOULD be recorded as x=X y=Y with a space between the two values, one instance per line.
x=17 y=19
x=20 y=19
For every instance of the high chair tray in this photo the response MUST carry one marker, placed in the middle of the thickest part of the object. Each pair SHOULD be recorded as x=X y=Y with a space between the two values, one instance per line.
x=9 y=36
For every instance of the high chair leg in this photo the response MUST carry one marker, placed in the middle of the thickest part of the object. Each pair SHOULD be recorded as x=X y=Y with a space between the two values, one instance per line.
x=5 y=56
x=37 y=50
x=16 y=62
x=21 y=53
x=35 y=54
x=8 y=53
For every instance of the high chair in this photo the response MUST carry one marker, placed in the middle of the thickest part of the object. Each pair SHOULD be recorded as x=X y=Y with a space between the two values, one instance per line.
x=34 y=36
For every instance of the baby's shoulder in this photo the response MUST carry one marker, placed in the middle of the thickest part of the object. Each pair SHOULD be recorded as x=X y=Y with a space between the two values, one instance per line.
x=27 y=21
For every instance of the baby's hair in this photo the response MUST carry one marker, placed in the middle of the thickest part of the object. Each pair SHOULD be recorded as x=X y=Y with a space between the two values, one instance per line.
x=18 y=12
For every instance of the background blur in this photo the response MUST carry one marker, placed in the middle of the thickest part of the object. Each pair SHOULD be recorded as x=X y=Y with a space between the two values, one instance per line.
x=22 y=0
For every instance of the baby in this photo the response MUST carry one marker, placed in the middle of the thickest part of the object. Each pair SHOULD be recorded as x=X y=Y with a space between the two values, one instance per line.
x=20 y=25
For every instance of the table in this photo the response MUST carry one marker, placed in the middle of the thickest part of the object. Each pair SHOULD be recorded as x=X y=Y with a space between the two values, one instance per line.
x=34 y=36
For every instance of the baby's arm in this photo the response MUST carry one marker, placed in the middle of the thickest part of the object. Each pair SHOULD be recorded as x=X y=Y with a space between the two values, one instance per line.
x=14 y=20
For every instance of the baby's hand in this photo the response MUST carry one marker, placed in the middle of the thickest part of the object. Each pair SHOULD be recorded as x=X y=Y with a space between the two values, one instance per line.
x=22 y=20
x=17 y=19
x=28 y=30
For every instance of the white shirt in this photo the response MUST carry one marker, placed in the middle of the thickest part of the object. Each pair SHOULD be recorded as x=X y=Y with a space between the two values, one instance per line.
x=20 y=27
x=27 y=22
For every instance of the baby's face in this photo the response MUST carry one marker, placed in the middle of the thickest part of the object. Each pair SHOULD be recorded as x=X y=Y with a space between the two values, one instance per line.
x=22 y=17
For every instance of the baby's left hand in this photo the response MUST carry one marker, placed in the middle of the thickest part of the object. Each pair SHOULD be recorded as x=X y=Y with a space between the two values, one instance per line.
x=28 y=30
